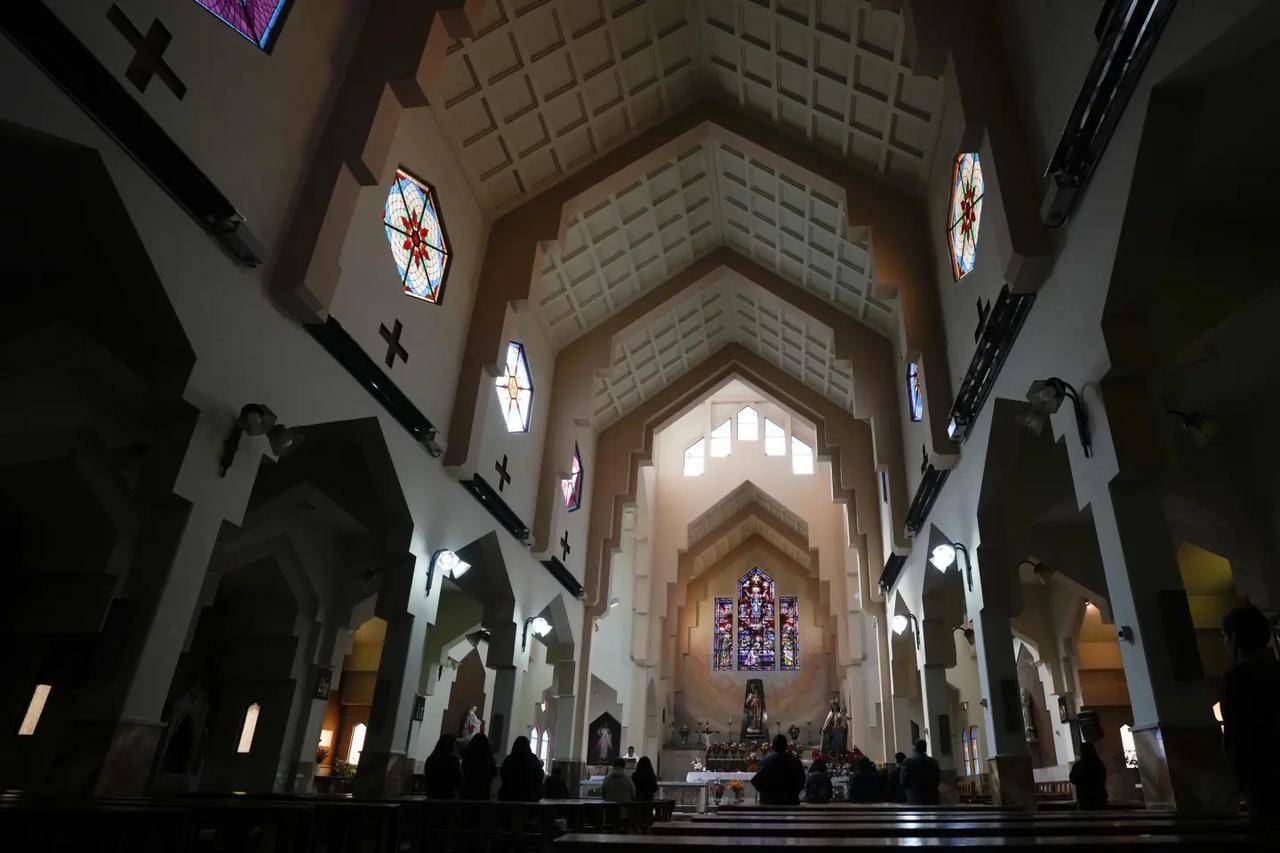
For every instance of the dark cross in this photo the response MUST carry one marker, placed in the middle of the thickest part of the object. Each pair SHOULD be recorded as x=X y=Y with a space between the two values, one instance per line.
x=393 y=343
x=501 y=468
x=564 y=543
x=148 y=57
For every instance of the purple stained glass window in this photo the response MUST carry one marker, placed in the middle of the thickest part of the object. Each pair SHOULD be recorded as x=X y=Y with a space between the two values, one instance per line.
x=789 y=616
x=757 y=641
x=415 y=231
x=256 y=20
x=572 y=487
x=722 y=643
x=914 y=398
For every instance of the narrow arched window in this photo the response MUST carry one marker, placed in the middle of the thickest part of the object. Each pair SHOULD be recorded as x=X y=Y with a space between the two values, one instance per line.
x=789 y=613
x=722 y=636
x=357 y=743
x=915 y=399
x=748 y=424
x=35 y=708
x=572 y=487
x=801 y=457
x=248 y=727
x=757 y=642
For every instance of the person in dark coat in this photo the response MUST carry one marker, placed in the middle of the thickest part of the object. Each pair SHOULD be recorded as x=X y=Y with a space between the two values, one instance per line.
x=921 y=775
x=896 y=794
x=1089 y=775
x=864 y=783
x=1250 y=706
x=781 y=777
x=817 y=785
x=478 y=769
x=443 y=774
x=521 y=774
x=555 y=788
x=645 y=780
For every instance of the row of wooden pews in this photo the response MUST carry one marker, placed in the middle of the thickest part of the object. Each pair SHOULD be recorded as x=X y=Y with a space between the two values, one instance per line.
x=280 y=823
x=842 y=826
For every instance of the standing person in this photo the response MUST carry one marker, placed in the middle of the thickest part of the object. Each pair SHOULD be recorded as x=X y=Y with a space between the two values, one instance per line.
x=478 y=769
x=921 y=775
x=645 y=780
x=555 y=788
x=442 y=771
x=1250 y=706
x=631 y=755
x=817 y=785
x=781 y=776
x=617 y=786
x=1089 y=775
x=521 y=774
x=896 y=794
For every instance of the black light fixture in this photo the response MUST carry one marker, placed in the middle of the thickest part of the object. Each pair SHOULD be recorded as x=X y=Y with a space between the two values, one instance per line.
x=1045 y=397
x=257 y=419
x=944 y=555
x=538 y=625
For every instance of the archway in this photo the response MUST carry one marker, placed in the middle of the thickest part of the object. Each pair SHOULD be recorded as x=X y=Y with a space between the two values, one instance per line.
x=466 y=692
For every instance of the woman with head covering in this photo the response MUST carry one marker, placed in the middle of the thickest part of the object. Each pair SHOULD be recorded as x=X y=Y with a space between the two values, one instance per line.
x=645 y=780
x=441 y=770
x=521 y=774
x=478 y=769
x=1089 y=775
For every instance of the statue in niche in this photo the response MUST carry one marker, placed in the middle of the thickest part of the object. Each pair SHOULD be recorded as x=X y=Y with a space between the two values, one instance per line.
x=753 y=711
x=471 y=726
x=1029 y=716
x=835 y=730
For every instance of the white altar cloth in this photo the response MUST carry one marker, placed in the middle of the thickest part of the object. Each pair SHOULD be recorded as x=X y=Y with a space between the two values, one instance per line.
x=705 y=776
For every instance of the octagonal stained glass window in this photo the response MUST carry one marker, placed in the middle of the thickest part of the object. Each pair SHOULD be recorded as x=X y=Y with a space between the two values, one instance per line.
x=965 y=213
x=419 y=244
x=515 y=389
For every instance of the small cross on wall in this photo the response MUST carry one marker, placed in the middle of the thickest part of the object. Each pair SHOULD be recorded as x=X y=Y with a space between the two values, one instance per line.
x=394 y=347
x=148 y=59
x=503 y=476
x=564 y=545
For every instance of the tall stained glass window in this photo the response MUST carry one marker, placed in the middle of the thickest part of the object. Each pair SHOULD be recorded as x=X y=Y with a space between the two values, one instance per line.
x=789 y=617
x=722 y=644
x=515 y=389
x=416 y=233
x=572 y=487
x=915 y=400
x=965 y=213
x=256 y=20
x=757 y=641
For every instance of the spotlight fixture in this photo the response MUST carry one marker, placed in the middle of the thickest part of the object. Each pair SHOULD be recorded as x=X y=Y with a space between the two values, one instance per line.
x=448 y=563
x=539 y=626
x=614 y=602
x=945 y=554
x=1045 y=397
x=257 y=419
x=1201 y=428
x=899 y=624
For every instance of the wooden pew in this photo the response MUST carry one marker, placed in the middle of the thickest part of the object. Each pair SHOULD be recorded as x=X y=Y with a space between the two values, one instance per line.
x=1059 y=843
x=945 y=829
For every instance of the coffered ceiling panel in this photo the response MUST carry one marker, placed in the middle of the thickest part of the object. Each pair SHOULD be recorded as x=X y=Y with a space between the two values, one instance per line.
x=730 y=505
x=549 y=85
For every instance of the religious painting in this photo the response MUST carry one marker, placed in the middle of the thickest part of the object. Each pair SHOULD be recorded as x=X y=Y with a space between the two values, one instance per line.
x=757 y=642
x=722 y=642
x=603 y=737
x=415 y=231
x=755 y=720
x=965 y=213
x=789 y=616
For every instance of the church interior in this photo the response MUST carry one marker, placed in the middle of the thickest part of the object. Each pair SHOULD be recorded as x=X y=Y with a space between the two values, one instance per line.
x=634 y=384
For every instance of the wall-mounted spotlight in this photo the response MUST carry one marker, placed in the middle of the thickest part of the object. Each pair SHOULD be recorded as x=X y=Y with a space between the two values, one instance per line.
x=1045 y=397
x=257 y=419
x=536 y=625
x=899 y=624
x=447 y=563
x=945 y=554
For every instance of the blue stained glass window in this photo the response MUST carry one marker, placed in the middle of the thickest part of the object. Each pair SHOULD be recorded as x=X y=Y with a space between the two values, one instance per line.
x=418 y=241
x=572 y=487
x=256 y=20
x=965 y=214
x=914 y=398
x=722 y=646
x=757 y=641
x=789 y=616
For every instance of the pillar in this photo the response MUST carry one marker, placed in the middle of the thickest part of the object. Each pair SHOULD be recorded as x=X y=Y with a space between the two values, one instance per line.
x=884 y=673
x=939 y=653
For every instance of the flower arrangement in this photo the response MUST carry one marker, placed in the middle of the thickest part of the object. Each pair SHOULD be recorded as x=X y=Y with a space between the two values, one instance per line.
x=738 y=789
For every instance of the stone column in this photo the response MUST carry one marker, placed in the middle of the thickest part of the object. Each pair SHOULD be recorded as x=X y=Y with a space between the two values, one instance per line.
x=884 y=672
x=384 y=764
x=1008 y=762
x=939 y=653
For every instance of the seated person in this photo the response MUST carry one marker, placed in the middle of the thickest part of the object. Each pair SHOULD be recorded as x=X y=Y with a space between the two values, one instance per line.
x=781 y=777
x=921 y=775
x=617 y=786
x=817 y=785
x=555 y=788
x=864 y=783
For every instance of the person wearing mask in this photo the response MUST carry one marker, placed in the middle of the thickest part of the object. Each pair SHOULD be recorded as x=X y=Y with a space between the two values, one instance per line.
x=645 y=780
x=555 y=788
x=617 y=786
x=921 y=775
x=443 y=774
x=896 y=794
x=864 y=783
x=478 y=769
x=817 y=785
x=781 y=777
x=1089 y=775
x=1250 y=706
x=521 y=774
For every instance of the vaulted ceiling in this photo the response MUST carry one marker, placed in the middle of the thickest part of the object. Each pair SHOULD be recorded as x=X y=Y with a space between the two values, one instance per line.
x=710 y=550
x=548 y=85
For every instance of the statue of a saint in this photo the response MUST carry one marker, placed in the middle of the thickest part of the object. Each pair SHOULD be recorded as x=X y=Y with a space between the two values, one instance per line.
x=470 y=725
x=829 y=728
x=1029 y=716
